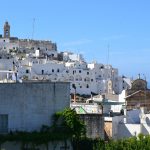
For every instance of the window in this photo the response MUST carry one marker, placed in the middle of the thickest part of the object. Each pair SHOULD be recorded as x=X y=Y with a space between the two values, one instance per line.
x=27 y=71
x=3 y=123
x=80 y=87
x=79 y=71
x=91 y=80
x=52 y=70
x=42 y=71
x=7 y=33
x=87 y=86
x=57 y=70
x=87 y=73
x=4 y=40
x=52 y=55
x=74 y=86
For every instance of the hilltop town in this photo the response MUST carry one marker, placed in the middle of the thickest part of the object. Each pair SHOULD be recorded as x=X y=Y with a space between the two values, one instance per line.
x=40 y=60
x=37 y=80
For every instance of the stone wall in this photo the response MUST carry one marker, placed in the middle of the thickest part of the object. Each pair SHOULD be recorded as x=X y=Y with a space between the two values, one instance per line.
x=94 y=125
x=30 y=105
x=37 y=44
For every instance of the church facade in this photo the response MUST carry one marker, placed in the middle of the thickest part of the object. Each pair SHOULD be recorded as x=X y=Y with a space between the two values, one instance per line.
x=138 y=95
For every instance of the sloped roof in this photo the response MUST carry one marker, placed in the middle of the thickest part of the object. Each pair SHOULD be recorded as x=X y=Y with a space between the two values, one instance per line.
x=134 y=93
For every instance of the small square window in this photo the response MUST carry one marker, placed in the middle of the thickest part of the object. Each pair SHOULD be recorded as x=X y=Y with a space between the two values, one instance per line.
x=27 y=71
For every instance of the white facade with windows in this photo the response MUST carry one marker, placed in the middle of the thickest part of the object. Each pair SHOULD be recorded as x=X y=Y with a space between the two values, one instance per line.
x=38 y=60
x=86 y=78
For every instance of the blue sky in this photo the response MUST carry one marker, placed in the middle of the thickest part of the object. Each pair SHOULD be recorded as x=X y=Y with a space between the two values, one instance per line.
x=88 y=27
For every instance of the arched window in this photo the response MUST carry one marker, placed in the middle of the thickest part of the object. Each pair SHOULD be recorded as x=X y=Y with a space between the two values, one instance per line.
x=42 y=71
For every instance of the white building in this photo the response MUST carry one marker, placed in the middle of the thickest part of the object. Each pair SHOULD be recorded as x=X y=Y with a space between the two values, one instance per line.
x=131 y=124
x=38 y=60
x=87 y=78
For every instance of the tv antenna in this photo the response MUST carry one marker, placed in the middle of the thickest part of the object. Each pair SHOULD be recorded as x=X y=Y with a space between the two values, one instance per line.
x=108 y=48
x=33 y=26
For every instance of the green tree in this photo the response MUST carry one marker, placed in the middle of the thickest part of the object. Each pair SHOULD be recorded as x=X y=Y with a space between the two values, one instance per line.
x=69 y=123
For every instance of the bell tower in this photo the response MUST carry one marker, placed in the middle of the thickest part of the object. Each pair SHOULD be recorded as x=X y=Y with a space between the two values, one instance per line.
x=6 y=30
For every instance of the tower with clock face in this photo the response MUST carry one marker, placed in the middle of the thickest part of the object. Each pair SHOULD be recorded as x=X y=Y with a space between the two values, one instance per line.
x=6 y=30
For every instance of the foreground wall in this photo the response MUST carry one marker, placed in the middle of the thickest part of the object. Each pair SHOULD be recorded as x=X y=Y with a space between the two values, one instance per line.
x=55 y=145
x=28 y=106
x=94 y=125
